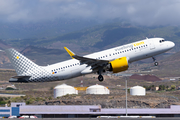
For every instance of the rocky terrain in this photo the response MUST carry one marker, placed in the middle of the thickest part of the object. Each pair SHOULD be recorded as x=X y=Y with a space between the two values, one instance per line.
x=151 y=78
x=114 y=101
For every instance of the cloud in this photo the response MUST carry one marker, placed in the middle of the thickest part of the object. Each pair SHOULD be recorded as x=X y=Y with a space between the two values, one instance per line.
x=143 y=12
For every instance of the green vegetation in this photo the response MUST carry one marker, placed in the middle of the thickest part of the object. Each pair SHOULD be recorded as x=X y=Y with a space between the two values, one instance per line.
x=151 y=87
x=9 y=88
x=27 y=99
x=173 y=87
x=160 y=88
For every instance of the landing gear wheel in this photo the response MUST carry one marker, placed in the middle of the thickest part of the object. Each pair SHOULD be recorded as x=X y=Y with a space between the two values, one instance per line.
x=156 y=63
x=100 y=78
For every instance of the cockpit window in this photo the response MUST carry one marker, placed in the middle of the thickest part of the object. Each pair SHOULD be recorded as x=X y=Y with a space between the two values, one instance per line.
x=161 y=41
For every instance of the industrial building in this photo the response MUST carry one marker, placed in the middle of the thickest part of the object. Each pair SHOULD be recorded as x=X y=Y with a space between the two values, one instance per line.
x=61 y=90
x=84 y=111
x=97 y=89
x=137 y=91
x=64 y=89
x=11 y=111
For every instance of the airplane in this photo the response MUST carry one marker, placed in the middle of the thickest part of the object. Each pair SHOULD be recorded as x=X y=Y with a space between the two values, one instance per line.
x=115 y=60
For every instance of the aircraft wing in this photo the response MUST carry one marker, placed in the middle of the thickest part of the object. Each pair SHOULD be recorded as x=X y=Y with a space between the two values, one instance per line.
x=90 y=61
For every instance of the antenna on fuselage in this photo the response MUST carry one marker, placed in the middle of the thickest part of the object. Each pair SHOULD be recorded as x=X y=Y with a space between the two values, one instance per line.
x=146 y=38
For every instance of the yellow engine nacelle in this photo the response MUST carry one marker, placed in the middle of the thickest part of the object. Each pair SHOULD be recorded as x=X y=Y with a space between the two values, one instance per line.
x=119 y=65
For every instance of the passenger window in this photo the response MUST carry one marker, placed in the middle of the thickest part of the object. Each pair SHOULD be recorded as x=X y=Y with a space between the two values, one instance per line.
x=109 y=54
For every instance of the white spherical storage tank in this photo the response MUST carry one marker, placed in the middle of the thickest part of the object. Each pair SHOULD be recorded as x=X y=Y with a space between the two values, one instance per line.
x=97 y=89
x=64 y=89
x=138 y=91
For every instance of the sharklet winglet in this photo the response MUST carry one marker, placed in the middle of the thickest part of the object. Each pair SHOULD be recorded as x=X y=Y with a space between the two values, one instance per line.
x=69 y=52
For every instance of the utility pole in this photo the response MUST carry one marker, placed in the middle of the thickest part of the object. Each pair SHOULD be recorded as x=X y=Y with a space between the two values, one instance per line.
x=126 y=95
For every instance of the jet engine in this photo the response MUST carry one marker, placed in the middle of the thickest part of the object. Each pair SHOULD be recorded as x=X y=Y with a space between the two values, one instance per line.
x=118 y=65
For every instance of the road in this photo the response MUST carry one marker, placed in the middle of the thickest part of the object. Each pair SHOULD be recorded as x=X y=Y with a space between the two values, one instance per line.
x=162 y=118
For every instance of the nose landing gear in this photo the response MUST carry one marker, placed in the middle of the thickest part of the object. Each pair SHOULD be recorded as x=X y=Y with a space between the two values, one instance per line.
x=100 y=78
x=155 y=63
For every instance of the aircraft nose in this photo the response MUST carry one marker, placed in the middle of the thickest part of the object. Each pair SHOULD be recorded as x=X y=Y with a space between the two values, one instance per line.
x=171 y=44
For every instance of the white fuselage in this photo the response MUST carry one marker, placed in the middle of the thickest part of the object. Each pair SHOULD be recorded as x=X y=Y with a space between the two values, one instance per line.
x=133 y=52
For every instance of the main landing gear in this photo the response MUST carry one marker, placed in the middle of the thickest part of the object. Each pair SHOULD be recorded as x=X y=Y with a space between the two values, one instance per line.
x=155 y=63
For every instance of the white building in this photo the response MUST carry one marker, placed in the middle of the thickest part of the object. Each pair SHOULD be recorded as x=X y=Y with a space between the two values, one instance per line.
x=64 y=89
x=138 y=90
x=97 y=89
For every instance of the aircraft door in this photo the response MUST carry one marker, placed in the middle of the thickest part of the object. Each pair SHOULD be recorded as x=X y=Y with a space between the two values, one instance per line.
x=151 y=44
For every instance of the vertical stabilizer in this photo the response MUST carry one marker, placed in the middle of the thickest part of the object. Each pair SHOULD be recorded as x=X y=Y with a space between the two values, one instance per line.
x=21 y=64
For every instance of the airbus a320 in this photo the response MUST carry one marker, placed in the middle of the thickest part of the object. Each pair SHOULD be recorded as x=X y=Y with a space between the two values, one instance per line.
x=116 y=60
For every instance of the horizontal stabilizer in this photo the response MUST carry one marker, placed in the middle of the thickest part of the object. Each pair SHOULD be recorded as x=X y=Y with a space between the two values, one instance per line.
x=22 y=79
x=18 y=77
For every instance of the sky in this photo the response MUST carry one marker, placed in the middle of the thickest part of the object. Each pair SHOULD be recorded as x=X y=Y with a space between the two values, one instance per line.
x=142 y=12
